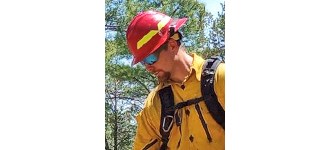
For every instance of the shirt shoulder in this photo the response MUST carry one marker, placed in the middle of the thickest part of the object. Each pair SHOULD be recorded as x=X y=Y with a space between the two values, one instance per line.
x=152 y=106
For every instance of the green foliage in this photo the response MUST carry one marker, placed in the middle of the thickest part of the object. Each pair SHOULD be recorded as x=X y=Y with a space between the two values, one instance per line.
x=217 y=33
x=119 y=118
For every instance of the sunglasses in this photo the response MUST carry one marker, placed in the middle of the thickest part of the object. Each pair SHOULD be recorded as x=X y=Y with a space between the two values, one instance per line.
x=153 y=58
x=150 y=60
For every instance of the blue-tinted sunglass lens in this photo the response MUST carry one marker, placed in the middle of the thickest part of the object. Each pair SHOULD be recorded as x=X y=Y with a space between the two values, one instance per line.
x=151 y=59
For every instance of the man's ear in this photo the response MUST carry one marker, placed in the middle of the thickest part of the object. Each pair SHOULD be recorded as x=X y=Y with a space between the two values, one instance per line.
x=173 y=45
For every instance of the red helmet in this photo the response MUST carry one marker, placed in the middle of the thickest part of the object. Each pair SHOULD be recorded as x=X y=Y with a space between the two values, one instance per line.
x=148 y=31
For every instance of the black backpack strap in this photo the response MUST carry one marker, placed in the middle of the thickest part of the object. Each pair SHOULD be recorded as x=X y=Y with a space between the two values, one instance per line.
x=207 y=88
x=167 y=114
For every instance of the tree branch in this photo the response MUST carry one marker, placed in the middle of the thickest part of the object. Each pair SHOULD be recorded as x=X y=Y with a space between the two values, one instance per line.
x=144 y=86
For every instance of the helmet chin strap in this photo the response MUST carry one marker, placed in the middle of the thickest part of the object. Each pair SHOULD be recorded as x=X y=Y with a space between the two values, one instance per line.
x=172 y=27
x=174 y=35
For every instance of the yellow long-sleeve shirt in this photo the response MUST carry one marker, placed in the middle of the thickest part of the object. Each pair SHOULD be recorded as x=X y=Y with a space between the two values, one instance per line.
x=192 y=135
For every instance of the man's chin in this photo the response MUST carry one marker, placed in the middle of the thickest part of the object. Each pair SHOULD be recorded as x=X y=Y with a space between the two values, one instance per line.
x=164 y=77
x=161 y=80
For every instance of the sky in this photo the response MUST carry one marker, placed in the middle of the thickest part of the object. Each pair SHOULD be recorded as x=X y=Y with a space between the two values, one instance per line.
x=212 y=5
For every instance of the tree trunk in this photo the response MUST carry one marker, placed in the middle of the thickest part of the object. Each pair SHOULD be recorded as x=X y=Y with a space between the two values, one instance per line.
x=116 y=120
x=106 y=144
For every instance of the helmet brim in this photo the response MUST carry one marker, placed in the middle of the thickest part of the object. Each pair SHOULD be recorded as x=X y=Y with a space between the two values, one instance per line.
x=179 y=23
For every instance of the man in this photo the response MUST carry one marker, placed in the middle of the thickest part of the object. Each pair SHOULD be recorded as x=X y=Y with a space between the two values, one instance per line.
x=154 y=41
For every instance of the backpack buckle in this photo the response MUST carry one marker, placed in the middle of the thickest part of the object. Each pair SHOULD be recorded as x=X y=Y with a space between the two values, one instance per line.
x=169 y=124
x=177 y=117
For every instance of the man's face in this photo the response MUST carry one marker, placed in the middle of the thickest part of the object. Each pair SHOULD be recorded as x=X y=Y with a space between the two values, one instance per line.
x=159 y=64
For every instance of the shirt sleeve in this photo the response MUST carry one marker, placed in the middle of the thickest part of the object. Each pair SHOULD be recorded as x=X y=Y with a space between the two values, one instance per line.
x=219 y=84
x=147 y=133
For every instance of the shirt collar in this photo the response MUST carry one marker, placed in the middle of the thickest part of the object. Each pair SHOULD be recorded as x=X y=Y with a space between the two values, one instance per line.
x=197 y=66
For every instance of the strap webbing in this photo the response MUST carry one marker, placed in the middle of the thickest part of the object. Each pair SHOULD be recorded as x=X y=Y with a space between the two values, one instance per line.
x=207 y=88
x=167 y=113
x=188 y=102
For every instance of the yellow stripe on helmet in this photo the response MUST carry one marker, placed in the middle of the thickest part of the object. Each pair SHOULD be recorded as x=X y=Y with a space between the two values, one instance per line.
x=152 y=33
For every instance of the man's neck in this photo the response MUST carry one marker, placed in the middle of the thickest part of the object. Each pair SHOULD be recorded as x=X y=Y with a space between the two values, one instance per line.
x=182 y=67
